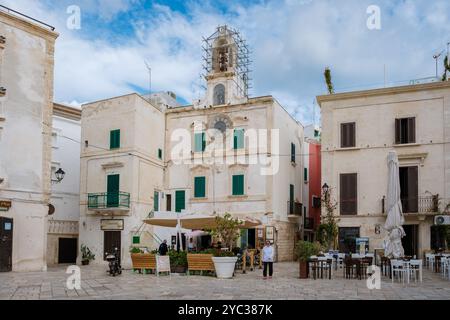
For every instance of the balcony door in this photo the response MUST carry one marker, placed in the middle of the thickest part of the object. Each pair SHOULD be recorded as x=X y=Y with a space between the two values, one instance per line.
x=409 y=189
x=112 y=197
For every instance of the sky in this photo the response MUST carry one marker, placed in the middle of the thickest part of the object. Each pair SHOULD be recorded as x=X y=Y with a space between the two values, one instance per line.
x=292 y=41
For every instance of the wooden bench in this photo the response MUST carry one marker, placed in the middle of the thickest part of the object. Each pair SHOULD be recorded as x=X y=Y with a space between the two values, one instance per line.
x=200 y=262
x=143 y=262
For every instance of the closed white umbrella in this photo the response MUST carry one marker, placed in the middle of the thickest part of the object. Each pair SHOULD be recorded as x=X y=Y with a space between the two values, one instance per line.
x=395 y=219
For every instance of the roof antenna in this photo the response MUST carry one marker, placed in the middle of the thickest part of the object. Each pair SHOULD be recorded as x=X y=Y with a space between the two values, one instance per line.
x=436 y=57
x=149 y=79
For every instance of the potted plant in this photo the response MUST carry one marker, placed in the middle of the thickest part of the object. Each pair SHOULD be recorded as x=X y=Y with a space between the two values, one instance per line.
x=86 y=255
x=304 y=250
x=178 y=261
x=227 y=231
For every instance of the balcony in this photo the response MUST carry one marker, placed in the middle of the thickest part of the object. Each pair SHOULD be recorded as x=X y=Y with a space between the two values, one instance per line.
x=308 y=224
x=109 y=201
x=419 y=206
x=294 y=208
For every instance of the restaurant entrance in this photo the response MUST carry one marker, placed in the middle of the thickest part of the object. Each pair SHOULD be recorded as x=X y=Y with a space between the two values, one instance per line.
x=410 y=240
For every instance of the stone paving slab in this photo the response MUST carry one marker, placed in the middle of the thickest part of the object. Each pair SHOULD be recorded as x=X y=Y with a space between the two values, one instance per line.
x=97 y=284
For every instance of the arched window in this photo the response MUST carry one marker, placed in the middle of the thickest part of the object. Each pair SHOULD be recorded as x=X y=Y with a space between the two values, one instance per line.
x=219 y=95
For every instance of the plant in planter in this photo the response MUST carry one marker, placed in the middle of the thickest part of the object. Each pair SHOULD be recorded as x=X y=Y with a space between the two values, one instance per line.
x=227 y=231
x=135 y=250
x=304 y=250
x=328 y=230
x=178 y=261
x=86 y=255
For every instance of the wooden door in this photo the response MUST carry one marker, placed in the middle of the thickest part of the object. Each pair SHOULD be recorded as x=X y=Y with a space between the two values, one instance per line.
x=168 y=202
x=6 y=241
x=111 y=240
x=67 y=250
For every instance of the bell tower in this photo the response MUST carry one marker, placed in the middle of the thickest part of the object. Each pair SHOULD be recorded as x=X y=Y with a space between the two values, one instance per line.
x=226 y=66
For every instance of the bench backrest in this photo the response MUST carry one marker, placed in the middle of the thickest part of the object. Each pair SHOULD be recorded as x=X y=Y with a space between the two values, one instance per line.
x=143 y=261
x=200 y=261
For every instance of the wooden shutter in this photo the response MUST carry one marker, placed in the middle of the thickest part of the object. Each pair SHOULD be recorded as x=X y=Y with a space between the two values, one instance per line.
x=238 y=142
x=293 y=152
x=348 y=193
x=305 y=174
x=238 y=185
x=413 y=189
x=348 y=135
x=199 y=187
x=156 y=201
x=113 y=185
x=291 y=199
x=411 y=130
x=398 y=131
x=180 y=203
x=114 y=139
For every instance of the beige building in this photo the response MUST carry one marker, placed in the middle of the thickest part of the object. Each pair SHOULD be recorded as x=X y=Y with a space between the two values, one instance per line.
x=225 y=153
x=359 y=129
x=26 y=103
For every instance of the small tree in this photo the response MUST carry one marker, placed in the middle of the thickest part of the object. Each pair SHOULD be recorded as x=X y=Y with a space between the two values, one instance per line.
x=446 y=69
x=328 y=229
x=226 y=229
x=327 y=75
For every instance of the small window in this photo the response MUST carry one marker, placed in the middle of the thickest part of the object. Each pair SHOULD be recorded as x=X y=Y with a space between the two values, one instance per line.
x=114 y=139
x=238 y=185
x=156 y=201
x=315 y=202
x=160 y=153
x=238 y=142
x=405 y=130
x=292 y=152
x=316 y=133
x=219 y=94
x=136 y=239
x=199 y=142
x=199 y=187
x=348 y=135
x=305 y=174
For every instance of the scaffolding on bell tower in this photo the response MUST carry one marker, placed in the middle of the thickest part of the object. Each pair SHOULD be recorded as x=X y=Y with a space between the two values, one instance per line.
x=242 y=62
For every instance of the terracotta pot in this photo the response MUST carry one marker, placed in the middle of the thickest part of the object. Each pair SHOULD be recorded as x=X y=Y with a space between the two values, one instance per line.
x=303 y=270
x=85 y=262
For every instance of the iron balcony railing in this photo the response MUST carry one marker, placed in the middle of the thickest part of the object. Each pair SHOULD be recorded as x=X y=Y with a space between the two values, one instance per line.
x=422 y=205
x=107 y=200
x=308 y=223
x=294 y=208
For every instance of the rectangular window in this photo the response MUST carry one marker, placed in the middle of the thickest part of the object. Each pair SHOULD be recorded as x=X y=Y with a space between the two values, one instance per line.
x=405 y=130
x=305 y=174
x=114 y=139
x=409 y=189
x=160 y=153
x=315 y=202
x=292 y=152
x=112 y=189
x=238 y=142
x=238 y=185
x=156 y=201
x=199 y=187
x=348 y=135
x=348 y=194
x=180 y=203
x=199 y=142
x=291 y=199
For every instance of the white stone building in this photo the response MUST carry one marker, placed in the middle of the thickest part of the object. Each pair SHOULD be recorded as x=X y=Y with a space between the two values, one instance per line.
x=359 y=129
x=133 y=162
x=26 y=103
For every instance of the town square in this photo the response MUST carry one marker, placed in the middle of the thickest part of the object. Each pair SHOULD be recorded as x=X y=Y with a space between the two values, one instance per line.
x=224 y=151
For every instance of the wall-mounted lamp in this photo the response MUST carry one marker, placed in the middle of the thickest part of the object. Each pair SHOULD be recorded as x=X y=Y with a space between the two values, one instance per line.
x=59 y=174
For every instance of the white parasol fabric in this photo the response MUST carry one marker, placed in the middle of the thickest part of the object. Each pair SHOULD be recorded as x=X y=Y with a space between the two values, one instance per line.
x=395 y=219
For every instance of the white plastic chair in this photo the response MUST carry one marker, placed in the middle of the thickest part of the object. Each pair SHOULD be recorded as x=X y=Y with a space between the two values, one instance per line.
x=444 y=266
x=415 y=269
x=429 y=260
x=400 y=269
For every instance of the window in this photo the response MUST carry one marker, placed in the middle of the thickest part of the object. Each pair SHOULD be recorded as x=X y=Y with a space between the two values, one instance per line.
x=238 y=185
x=291 y=199
x=112 y=189
x=409 y=189
x=160 y=153
x=292 y=152
x=315 y=202
x=348 y=135
x=347 y=239
x=180 y=203
x=156 y=201
x=348 y=194
x=305 y=174
x=199 y=142
x=114 y=139
x=405 y=130
x=219 y=94
x=238 y=142
x=316 y=133
x=199 y=187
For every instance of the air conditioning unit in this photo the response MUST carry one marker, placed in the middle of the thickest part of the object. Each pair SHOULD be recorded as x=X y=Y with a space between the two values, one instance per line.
x=442 y=220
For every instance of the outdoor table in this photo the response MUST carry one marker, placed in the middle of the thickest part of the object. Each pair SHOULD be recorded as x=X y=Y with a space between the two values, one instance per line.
x=318 y=266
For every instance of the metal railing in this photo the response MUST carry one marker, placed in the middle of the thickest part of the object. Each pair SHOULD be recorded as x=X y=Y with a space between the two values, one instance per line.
x=108 y=200
x=308 y=223
x=9 y=10
x=427 y=204
x=294 y=208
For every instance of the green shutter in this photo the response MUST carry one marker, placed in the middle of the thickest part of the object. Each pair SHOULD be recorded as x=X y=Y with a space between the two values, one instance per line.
x=292 y=152
x=160 y=153
x=305 y=174
x=112 y=189
x=291 y=199
x=238 y=139
x=136 y=239
x=114 y=139
x=180 y=203
x=199 y=142
x=238 y=185
x=156 y=201
x=199 y=187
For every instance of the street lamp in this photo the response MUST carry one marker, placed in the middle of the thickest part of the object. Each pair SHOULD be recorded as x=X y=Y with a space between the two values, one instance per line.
x=325 y=188
x=59 y=176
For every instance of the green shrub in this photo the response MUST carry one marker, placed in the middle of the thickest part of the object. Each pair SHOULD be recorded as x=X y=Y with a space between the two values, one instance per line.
x=178 y=258
x=136 y=250
x=306 y=249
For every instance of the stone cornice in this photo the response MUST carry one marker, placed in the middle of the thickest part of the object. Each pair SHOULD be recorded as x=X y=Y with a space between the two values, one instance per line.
x=66 y=111
x=28 y=25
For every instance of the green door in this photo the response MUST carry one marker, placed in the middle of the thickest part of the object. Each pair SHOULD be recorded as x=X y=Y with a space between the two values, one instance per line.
x=112 y=198
x=180 y=203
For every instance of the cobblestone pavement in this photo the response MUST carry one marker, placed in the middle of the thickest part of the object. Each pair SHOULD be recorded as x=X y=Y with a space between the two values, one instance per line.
x=97 y=284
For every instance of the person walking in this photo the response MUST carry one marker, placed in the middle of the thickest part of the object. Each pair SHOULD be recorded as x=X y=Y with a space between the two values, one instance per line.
x=267 y=258
x=163 y=248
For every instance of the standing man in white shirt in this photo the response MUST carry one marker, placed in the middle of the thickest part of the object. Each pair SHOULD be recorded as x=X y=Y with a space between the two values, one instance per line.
x=267 y=258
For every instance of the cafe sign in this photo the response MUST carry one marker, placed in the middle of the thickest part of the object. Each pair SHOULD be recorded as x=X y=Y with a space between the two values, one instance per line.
x=111 y=224
x=5 y=205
